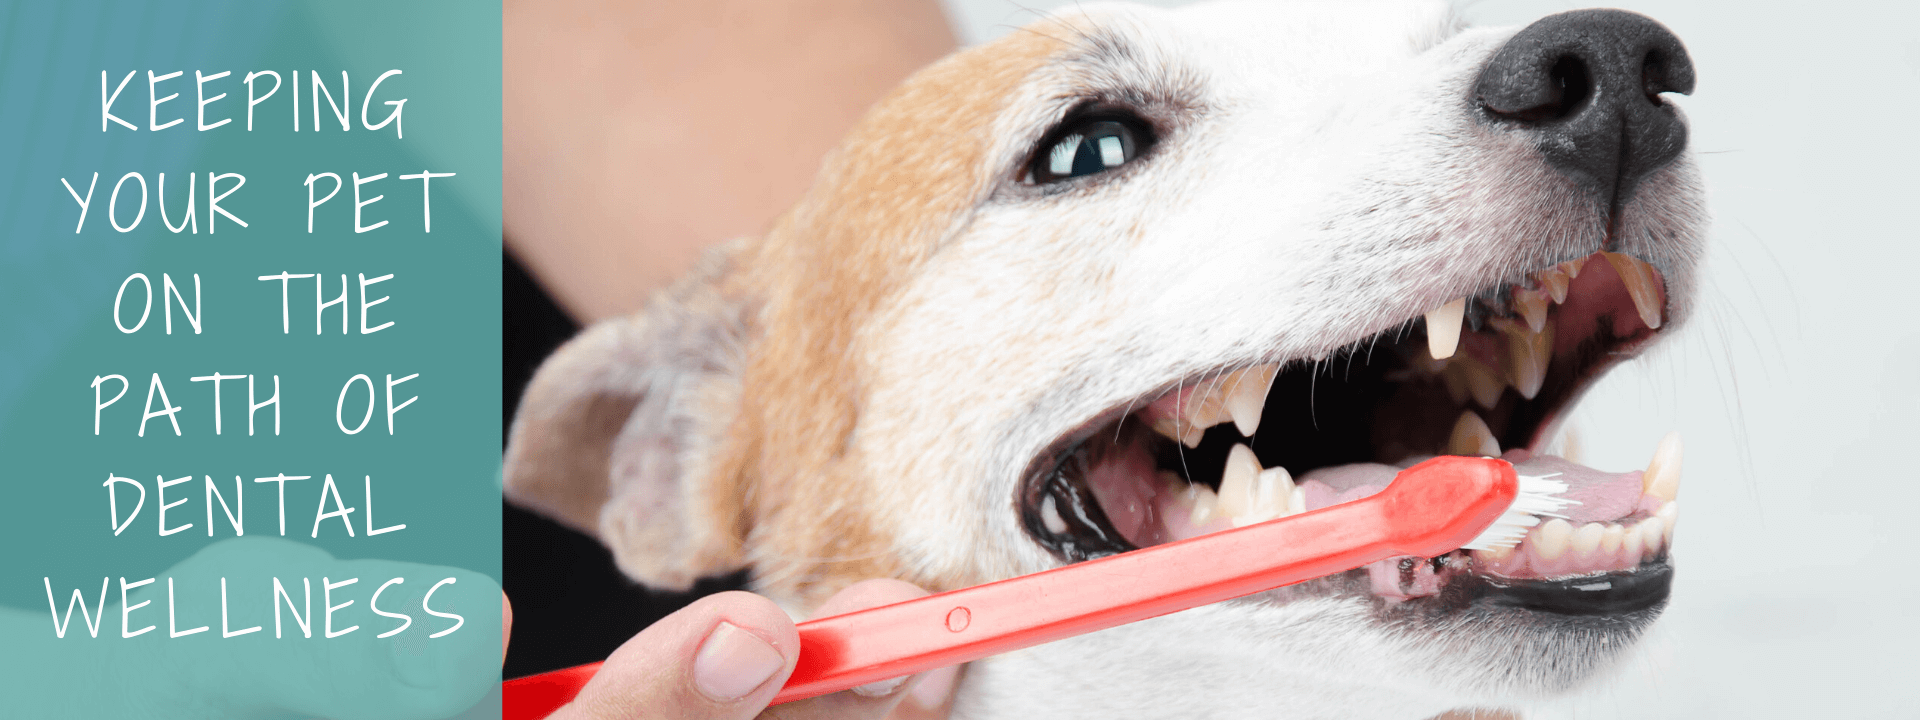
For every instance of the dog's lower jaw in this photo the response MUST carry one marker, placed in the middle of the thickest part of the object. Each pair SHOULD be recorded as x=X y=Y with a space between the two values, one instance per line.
x=1173 y=668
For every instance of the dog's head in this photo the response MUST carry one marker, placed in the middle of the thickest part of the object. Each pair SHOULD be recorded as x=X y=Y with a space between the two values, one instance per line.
x=1068 y=293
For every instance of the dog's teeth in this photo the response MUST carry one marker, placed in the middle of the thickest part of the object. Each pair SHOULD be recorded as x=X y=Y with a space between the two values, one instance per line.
x=1662 y=478
x=1050 y=516
x=1528 y=354
x=1610 y=538
x=1237 y=396
x=1586 y=540
x=1297 y=501
x=1237 y=491
x=1179 y=429
x=1532 y=306
x=1168 y=427
x=1632 y=544
x=1551 y=540
x=1476 y=380
x=1273 y=491
x=1667 y=516
x=1471 y=436
x=1571 y=268
x=1493 y=555
x=1443 y=328
x=1555 y=282
x=1652 y=534
x=1641 y=284
x=1191 y=436
x=1247 y=396
x=1206 y=504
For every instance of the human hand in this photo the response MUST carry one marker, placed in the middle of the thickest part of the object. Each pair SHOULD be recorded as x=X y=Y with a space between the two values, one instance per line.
x=726 y=655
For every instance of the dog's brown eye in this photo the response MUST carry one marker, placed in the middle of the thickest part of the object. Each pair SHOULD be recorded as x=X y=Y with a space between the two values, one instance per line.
x=1084 y=148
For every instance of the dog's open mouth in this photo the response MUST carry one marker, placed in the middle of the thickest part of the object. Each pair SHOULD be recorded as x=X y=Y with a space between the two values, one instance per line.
x=1243 y=445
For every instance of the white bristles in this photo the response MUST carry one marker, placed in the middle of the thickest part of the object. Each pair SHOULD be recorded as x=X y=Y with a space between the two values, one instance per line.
x=1539 y=497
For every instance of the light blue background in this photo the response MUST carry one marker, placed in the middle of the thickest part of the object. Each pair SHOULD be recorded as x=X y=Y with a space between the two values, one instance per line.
x=437 y=474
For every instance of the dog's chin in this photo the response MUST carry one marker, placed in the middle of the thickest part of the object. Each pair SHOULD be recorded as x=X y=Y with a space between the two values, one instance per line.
x=1274 y=437
x=1489 y=638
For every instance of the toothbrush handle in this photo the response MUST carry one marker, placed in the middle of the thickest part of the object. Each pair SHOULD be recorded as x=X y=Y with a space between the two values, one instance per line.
x=844 y=651
x=1443 y=504
x=1428 y=510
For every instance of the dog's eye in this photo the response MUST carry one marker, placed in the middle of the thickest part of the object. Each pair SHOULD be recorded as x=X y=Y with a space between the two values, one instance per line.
x=1086 y=147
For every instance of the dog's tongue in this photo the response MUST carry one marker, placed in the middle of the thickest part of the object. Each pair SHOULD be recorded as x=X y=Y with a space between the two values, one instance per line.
x=1603 y=496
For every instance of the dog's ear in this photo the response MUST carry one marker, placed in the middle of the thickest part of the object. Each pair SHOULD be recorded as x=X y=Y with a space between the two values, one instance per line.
x=619 y=428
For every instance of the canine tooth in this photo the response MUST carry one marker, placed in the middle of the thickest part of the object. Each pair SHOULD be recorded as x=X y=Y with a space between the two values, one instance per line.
x=1206 y=504
x=1471 y=436
x=1050 y=516
x=1550 y=541
x=1586 y=540
x=1532 y=305
x=1247 y=396
x=1296 y=501
x=1443 y=328
x=1237 y=482
x=1555 y=282
x=1641 y=286
x=1611 y=537
x=1662 y=478
x=1528 y=354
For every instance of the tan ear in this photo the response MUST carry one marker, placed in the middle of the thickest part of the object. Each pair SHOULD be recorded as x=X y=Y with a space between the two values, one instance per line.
x=618 y=429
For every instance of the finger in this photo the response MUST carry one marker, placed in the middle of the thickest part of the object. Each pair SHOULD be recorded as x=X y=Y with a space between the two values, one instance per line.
x=506 y=625
x=931 y=696
x=723 y=657
x=872 y=701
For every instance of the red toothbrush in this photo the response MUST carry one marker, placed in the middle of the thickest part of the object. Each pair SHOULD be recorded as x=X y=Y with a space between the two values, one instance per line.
x=1430 y=509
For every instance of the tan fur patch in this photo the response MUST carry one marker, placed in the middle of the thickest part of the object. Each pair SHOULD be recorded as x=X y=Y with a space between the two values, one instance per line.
x=876 y=212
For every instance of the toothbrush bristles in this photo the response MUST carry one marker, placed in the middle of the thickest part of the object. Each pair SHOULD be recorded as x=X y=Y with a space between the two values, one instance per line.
x=1539 y=497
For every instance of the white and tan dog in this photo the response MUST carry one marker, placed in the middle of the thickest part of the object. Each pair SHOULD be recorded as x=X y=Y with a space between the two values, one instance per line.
x=1132 y=275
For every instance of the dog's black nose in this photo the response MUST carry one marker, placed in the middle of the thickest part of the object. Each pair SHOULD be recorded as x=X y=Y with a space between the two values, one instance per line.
x=1587 y=85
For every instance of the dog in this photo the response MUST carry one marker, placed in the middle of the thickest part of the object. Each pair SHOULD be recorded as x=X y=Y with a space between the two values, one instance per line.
x=1131 y=275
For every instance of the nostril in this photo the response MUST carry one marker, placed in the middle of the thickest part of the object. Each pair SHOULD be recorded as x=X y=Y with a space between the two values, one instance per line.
x=1568 y=82
x=1568 y=86
x=1655 y=77
x=1575 y=84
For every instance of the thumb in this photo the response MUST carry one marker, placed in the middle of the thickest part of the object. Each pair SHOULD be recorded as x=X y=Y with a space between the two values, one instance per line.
x=724 y=656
